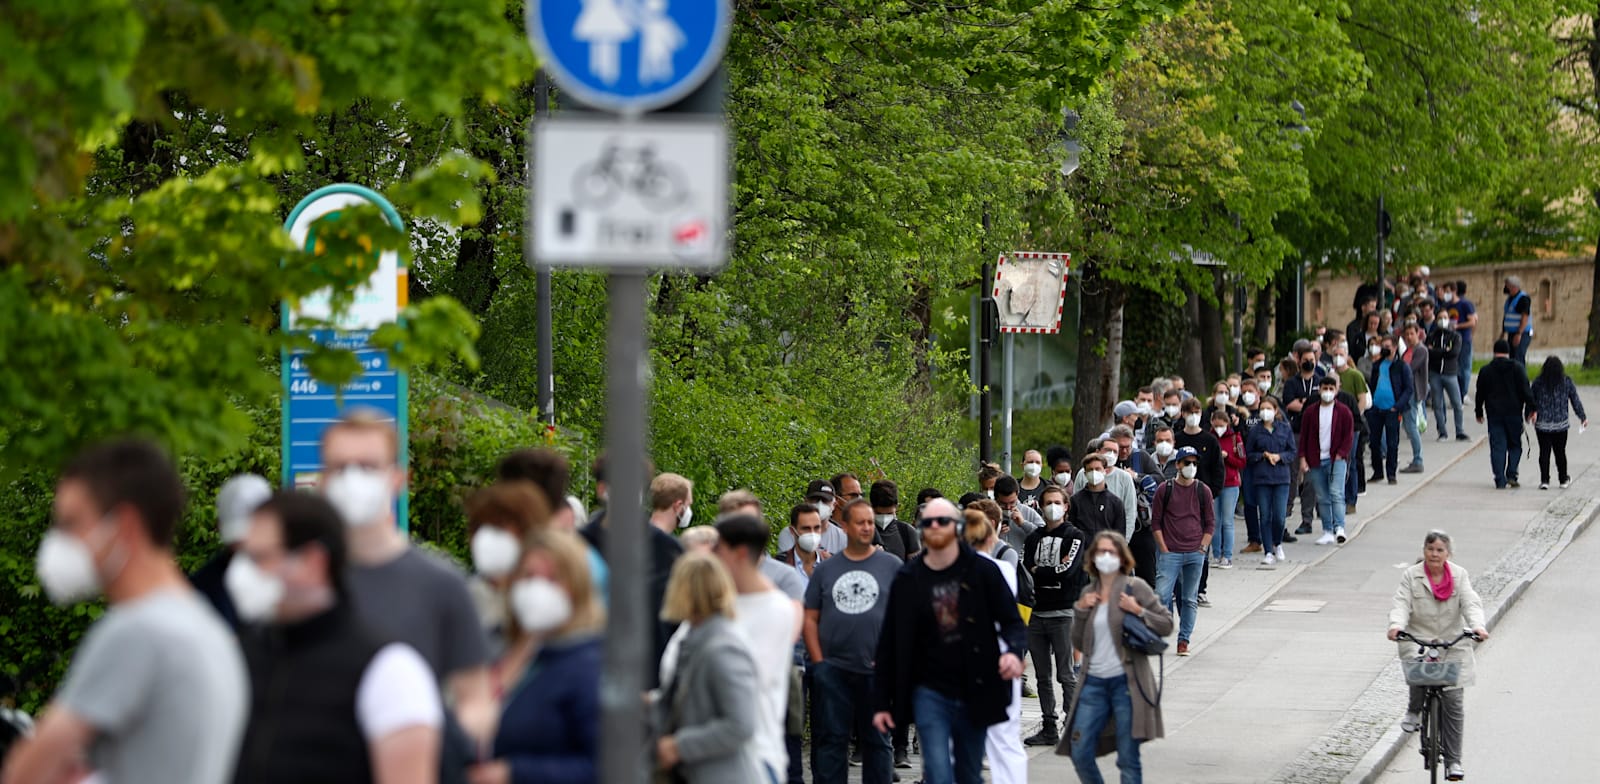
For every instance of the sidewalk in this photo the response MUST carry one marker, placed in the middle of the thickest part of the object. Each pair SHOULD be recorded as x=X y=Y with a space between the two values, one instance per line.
x=1283 y=662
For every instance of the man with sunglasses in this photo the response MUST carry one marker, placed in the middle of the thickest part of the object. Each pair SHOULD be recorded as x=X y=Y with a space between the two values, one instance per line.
x=939 y=659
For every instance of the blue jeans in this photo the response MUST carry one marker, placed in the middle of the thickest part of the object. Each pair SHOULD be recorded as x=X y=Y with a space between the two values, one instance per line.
x=1252 y=515
x=1440 y=389
x=1222 y=541
x=1181 y=571
x=1408 y=420
x=1330 y=481
x=1519 y=351
x=840 y=700
x=1505 y=448
x=1101 y=700
x=944 y=727
x=1274 y=503
x=1464 y=370
x=1383 y=426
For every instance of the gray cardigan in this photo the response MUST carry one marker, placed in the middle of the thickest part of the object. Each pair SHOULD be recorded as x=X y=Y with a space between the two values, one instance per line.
x=713 y=704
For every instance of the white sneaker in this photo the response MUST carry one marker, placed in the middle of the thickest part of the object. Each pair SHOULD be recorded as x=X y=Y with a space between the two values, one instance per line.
x=1268 y=560
x=1326 y=538
x=1338 y=535
x=1226 y=563
x=1279 y=552
x=1412 y=722
x=1565 y=485
x=1456 y=772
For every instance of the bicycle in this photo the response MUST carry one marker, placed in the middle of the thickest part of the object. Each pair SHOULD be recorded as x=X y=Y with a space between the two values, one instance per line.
x=1434 y=675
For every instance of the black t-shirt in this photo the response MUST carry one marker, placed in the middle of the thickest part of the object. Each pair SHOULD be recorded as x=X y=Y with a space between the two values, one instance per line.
x=1030 y=498
x=937 y=629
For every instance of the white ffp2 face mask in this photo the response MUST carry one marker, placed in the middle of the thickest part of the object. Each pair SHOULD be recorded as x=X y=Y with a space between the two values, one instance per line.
x=1164 y=449
x=540 y=605
x=1031 y=470
x=882 y=520
x=255 y=593
x=1191 y=420
x=1064 y=478
x=360 y=496
x=1106 y=563
x=809 y=542
x=1189 y=471
x=66 y=568
x=1095 y=476
x=1248 y=398
x=1329 y=396
x=685 y=517
x=1267 y=415
x=494 y=551
x=1054 y=512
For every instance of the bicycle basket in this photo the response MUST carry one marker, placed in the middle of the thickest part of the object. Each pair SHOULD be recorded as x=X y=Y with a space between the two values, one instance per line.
x=1432 y=673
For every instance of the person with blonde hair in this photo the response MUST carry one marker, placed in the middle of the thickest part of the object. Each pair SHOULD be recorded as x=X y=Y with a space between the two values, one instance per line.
x=698 y=539
x=704 y=713
x=549 y=728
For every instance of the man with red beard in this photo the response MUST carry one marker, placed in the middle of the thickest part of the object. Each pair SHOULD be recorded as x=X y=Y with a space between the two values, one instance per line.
x=940 y=661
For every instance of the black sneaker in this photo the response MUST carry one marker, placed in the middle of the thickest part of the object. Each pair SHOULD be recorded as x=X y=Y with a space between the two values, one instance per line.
x=1289 y=538
x=1044 y=737
x=1462 y=437
x=1393 y=481
x=1513 y=483
x=1202 y=601
x=1305 y=528
x=902 y=760
x=855 y=758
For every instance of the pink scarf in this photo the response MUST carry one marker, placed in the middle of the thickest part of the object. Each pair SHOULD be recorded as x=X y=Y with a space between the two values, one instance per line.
x=1445 y=587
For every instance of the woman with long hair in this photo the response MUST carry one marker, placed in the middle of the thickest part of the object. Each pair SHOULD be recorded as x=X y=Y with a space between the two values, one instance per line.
x=1270 y=450
x=1115 y=706
x=1553 y=390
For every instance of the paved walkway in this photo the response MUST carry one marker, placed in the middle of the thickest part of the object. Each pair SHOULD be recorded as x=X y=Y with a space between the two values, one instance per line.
x=1290 y=677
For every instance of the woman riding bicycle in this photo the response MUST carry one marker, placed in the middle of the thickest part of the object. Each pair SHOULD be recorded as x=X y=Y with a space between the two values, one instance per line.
x=1435 y=601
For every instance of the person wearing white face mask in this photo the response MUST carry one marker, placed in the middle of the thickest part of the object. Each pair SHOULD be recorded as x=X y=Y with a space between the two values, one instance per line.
x=805 y=529
x=401 y=592
x=833 y=539
x=237 y=499
x=1119 y=482
x=1054 y=555
x=1326 y=440
x=1032 y=482
x=1117 y=702
x=1269 y=448
x=499 y=516
x=549 y=727
x=157 y=688
x=332 y=700
x=1059 y=458
x=1094 y=507
x=1444 y=376
x=894 y=535
x=1171 y=415
x=1183 y=518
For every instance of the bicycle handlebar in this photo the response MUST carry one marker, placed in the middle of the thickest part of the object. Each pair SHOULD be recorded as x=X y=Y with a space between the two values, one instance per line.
x=1436 y=644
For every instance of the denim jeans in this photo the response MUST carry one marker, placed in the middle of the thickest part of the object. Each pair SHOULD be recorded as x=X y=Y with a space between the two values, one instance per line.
x=1330 y=481
x=1274 y=502
x=1102 y=700
x=1384 y=428
x=1408 y=421
x=1505 y=448
x=1519 y=350
x=1354 y=476
x=840 y=700
x=1181 y=571
x=1442 y=388
x=952 y=745
x=1050 y=645
x=1464 y=362
x=1222 y=541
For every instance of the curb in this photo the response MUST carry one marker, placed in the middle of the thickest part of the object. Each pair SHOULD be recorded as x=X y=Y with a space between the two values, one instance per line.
x=1377 y=759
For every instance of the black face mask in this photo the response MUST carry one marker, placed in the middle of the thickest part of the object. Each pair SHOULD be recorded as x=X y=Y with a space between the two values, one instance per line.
x=1307 y=366
x=1505 y=289
x=1385 y=354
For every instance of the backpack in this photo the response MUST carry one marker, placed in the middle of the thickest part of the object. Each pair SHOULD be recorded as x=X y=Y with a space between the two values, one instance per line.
x=1024 y=577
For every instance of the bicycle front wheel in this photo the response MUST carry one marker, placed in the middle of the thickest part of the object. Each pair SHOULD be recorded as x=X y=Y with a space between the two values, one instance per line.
x=1432 y=724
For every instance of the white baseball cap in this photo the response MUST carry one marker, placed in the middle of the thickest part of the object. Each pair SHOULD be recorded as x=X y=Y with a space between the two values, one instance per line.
x=239 y=498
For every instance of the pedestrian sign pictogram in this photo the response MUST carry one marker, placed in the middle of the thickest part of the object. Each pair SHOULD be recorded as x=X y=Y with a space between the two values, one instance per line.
x=629 y=56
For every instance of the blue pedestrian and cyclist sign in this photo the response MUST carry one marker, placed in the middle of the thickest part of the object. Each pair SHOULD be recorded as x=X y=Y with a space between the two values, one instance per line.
x=309 y=405
x=629 y=56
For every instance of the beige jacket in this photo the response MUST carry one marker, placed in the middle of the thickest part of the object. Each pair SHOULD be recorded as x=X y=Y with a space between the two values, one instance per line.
x=1418 y=613
x=1147 y=723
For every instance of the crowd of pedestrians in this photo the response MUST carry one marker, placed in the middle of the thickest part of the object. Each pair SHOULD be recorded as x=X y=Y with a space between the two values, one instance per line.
x=321 y=644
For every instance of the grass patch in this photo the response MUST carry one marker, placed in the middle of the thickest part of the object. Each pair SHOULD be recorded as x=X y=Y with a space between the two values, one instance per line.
x=1582 y=376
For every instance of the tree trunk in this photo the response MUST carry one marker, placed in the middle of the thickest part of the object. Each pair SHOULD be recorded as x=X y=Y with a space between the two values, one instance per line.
x=1591 y=346
x=1191 y=363
x=1261 y=328
x=1101 y=302
x=1212 y=348
x=921 y=310
x=1114 y=329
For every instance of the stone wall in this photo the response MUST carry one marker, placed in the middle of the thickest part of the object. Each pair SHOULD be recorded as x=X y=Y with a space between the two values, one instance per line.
x=1561 y=291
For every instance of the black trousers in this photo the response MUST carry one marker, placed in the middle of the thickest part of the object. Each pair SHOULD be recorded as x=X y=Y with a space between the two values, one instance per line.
x=1555 y=441
x=1143 y=545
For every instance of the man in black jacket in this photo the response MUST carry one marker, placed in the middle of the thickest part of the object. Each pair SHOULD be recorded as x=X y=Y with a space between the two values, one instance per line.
x=939 y=659
x=1503 y=391
x=1095 y=508
x=1054 y=556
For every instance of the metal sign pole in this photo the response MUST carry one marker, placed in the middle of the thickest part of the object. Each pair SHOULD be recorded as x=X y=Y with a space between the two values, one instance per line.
x=1010 y=380
x=626 y=759
x=547 y=376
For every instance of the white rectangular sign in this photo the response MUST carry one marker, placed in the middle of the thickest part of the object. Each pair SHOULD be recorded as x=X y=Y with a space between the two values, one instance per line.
x=651 y=193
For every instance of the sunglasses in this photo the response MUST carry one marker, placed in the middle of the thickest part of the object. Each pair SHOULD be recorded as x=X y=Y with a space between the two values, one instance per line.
x=929 y=522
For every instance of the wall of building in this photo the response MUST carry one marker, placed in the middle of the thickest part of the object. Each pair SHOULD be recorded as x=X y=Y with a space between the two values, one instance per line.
x=1561 y=291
